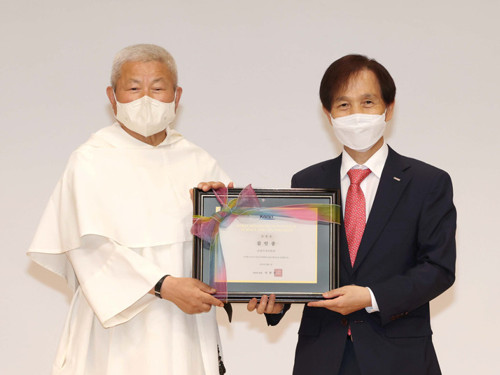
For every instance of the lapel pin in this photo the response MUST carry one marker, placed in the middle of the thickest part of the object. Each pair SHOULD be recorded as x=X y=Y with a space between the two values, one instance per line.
x=397 y=179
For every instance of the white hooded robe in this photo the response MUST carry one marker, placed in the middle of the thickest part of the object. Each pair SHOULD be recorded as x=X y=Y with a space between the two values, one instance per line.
x=118 y=220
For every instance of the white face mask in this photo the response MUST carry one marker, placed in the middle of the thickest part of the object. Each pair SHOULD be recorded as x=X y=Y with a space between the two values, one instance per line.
x=145 y=116
x=359 y=131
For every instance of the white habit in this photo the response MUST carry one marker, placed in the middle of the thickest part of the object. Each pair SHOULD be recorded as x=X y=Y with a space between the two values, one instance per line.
x=118 y=220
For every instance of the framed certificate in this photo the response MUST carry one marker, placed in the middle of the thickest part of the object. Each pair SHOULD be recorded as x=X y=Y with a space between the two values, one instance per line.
x=293 y=257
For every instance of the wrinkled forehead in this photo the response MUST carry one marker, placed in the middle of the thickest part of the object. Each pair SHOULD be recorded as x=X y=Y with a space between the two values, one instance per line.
x=362 y=82
x=141 y=71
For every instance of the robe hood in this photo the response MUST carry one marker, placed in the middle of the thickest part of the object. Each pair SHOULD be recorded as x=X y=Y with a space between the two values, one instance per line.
x=126 y=190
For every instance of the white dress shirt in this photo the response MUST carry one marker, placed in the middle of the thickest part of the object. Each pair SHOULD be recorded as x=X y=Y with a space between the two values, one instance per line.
x=369 y=187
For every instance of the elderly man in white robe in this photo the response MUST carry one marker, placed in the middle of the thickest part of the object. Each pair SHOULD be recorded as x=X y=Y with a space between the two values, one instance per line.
x=117 y=228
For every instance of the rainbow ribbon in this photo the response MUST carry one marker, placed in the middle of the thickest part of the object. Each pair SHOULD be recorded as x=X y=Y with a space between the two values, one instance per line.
x=247 y=203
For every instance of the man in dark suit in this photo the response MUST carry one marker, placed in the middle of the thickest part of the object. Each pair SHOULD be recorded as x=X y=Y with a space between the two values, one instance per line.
x=397 y=241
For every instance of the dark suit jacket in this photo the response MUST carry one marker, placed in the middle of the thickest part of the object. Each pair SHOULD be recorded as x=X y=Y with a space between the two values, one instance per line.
x=407 y=258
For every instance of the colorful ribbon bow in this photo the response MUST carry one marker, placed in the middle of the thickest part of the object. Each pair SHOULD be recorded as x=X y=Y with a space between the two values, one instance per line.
x=247 y=203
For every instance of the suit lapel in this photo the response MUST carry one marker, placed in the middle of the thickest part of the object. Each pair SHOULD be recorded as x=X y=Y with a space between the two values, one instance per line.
x=345 y=259
x=333 y=174
x=392 y=184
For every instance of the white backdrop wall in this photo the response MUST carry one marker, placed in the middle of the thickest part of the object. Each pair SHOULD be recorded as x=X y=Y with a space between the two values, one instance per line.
x=250 y=73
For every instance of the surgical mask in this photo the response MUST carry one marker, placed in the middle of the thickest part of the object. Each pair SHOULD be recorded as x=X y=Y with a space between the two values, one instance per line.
x=145 y=116
x=359 y=131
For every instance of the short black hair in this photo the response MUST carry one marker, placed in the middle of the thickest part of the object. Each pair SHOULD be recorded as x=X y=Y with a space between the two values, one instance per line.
x=339 y=73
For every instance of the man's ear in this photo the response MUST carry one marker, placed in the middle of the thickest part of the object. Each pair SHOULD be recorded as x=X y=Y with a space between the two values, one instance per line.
x=327 y=114
x=111 y=96
x=389 y=111
x=178 y=94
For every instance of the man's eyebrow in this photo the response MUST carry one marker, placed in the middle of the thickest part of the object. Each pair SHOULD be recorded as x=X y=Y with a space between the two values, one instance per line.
x=341 y=99
x=364 y=96
x=158 y=79
x=133 y=80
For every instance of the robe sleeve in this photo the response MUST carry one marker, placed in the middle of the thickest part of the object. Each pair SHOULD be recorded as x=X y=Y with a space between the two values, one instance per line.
x=110 y=205
x=114 y=279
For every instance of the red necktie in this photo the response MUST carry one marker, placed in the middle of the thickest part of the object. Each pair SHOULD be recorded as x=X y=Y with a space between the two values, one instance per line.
x=355 y=211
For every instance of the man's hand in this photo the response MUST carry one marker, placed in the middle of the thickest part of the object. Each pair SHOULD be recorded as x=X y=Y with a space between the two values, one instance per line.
x=211 y=185
x=266 y=305
x=345 y=300
x=191 y=295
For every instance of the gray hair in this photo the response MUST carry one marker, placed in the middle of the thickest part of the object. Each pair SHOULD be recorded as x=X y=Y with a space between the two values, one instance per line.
x=142 y=53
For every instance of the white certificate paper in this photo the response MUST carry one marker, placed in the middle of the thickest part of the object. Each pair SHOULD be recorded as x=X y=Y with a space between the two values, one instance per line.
x=271 y=250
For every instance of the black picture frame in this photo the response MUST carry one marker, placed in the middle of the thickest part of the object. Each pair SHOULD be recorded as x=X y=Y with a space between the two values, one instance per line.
x=206 y=204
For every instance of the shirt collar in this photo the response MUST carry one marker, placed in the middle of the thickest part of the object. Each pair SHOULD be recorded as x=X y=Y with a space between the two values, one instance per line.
x=115 y=136
x=375 y=163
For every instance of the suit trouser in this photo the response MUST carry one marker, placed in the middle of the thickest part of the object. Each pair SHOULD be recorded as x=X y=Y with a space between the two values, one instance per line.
x=349 y=365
